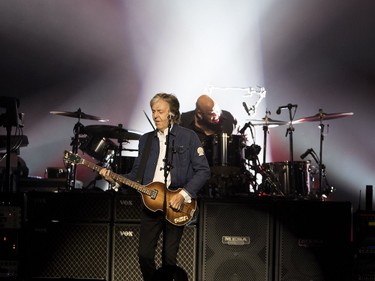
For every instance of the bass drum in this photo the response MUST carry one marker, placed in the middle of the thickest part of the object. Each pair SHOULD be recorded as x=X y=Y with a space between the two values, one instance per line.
x=224 y=153
x=288 y=178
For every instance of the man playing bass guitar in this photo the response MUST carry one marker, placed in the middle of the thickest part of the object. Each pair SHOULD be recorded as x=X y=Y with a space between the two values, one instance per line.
x=175 y=157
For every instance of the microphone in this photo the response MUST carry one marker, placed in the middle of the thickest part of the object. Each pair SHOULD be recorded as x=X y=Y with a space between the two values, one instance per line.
x=289 y=106
x=307 y=152
x=246 y=108
x=247 y=125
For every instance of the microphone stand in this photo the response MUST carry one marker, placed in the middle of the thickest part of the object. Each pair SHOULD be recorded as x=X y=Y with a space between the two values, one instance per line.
x=265 y=130
x=167 y=168
x=290 y=131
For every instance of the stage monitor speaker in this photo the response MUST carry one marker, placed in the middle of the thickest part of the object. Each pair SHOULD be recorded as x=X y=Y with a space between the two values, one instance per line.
x=125 y=266
x=313 y=241
x=235 y=241
x=67 y=250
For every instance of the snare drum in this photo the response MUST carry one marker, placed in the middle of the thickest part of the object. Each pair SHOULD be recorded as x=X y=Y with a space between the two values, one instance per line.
x=102 y=149
x=224 y=153
x=292 y=178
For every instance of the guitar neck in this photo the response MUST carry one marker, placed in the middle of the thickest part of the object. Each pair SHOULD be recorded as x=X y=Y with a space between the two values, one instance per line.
x=139 y=187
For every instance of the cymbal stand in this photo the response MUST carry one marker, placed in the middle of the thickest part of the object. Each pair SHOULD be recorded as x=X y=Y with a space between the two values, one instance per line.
x=72 y=170
x=321 y=126
x=290 y=132
x=269 y=177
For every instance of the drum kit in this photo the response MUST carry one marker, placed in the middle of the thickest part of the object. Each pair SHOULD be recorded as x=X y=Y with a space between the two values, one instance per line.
x=233 y=163
x=232 y=160
x=99 y=142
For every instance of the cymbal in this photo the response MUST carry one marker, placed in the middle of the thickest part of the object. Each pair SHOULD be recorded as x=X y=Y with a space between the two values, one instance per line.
x=324 y=116
x=268 y=122
x=111 y=132
x=79 y=114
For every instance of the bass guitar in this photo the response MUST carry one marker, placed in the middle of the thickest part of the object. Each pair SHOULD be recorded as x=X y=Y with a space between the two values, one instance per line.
x=152 y=194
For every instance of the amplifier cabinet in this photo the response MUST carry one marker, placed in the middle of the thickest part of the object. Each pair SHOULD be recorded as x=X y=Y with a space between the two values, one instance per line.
x=128 y=208
x=69 y=206
x=235 y=241
x=67 y=250
x=313 y=241
x=125 y=266
x=275 y=240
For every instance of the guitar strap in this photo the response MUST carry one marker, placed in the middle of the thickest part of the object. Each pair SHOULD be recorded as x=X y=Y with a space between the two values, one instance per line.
x=145 y=154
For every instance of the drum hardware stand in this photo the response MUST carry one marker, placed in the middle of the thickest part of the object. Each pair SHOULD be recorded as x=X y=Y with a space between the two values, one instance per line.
x=268 y=176
x=320 y=162
x=72 y=169
x=9 y=119
x=270 y=179
x=321 y=168
x=290 y=132
x=251 y=154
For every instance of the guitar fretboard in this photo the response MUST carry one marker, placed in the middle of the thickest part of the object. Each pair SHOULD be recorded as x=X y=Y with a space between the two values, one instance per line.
x=120 y=178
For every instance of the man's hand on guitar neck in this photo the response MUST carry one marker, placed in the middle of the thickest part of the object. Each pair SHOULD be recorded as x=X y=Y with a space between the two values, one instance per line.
x=105 y=173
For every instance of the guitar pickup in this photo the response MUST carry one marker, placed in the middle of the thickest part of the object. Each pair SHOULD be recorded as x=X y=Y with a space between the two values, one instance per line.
x=154 y=194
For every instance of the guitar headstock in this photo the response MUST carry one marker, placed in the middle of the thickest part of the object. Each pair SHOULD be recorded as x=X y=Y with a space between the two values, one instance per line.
x=71 y=158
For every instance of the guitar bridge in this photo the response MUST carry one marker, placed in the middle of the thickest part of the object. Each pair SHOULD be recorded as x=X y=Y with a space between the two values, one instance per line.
x=154 y=194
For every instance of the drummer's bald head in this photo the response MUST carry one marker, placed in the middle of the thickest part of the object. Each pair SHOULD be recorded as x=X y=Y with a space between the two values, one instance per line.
x=204 y=103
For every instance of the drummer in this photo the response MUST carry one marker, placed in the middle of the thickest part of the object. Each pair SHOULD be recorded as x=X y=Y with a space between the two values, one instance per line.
x=208 y=119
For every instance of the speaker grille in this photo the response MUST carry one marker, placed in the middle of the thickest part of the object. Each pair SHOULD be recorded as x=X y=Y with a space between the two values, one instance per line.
x=235 y=243
x=125 y=252
x=314 y=241
x=128 y=208
x=69 y=207
x=60 y=250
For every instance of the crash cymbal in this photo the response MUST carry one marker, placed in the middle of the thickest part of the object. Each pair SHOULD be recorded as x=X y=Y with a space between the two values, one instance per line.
x=268 y=122
x=111 y=132
x=324 y=116
x=79 y=114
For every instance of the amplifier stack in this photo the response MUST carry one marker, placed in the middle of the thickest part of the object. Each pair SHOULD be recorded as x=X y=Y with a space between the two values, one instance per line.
x=95 y=236
x=11 y=218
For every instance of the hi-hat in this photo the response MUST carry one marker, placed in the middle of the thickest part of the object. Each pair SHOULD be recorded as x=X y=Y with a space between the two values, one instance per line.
x=324 y=116
x=79 y=114
x=111 y=132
